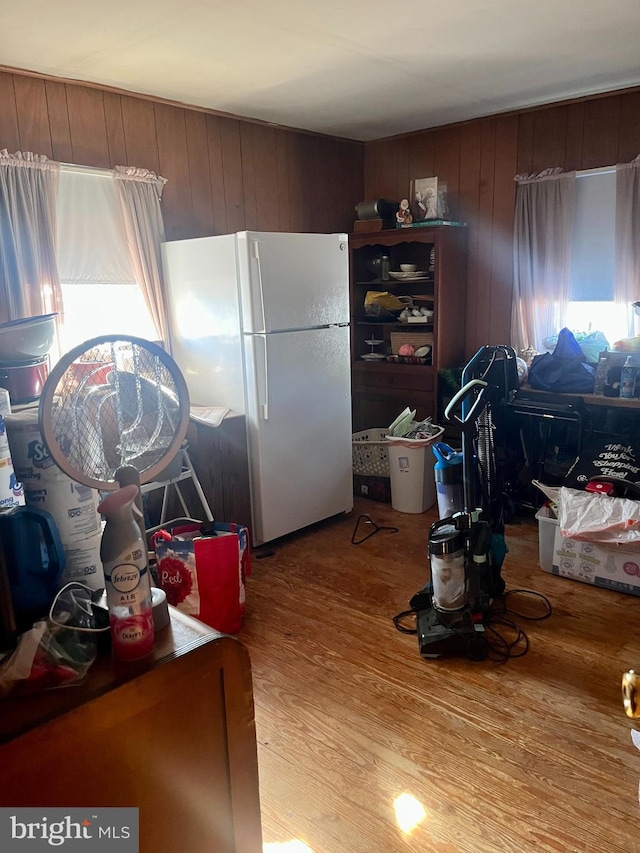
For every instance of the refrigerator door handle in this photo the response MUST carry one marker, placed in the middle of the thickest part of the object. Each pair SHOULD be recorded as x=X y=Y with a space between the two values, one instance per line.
x=263 y=399
x=255 y=252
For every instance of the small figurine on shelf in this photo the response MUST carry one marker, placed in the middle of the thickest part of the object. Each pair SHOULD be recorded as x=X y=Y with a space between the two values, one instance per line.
x=403 y=216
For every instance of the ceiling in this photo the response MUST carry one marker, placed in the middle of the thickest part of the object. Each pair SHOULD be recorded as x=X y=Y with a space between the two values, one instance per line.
x=360 y=69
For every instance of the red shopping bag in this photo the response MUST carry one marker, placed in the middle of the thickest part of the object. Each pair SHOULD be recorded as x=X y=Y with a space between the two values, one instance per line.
x=205 y=575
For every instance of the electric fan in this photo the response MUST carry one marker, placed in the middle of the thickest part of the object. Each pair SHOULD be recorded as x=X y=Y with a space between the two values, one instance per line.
x=114 y=411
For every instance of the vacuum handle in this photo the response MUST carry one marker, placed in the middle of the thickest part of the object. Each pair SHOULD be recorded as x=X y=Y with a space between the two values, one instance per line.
x=462 y=394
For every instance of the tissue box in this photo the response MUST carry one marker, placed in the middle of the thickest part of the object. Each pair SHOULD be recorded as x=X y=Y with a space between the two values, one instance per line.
x=612 y=566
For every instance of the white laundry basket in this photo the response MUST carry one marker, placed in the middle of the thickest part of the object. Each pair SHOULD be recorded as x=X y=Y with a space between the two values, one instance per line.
x=411 y=463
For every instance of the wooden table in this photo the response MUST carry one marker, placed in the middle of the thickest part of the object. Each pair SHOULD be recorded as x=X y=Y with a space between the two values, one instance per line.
x=599 y=414
x=588 y=399
x=173 y=735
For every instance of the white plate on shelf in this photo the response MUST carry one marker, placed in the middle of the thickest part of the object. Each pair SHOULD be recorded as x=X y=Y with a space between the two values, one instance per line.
x=373 y=356
x=408 y=276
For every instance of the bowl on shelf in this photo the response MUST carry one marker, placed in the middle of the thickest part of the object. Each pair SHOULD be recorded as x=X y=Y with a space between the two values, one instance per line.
x=408 y=267
x=27 y=339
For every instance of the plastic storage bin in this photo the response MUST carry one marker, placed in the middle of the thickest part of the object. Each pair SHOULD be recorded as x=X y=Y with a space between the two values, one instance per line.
x=369 y=453
x=411 y=463
x=371 y=465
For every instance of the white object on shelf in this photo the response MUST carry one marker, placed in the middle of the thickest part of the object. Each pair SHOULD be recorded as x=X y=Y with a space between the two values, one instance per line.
x=408 y=276
x=208 y=415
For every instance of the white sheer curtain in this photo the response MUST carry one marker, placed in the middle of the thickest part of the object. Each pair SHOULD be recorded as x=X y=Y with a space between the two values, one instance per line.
x=542 y=256
x=140 y=192
x=99 y=289
x=29 y=284
x=627 y=266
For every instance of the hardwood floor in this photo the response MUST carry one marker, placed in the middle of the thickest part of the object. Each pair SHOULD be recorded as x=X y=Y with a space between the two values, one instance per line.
x=534 y=754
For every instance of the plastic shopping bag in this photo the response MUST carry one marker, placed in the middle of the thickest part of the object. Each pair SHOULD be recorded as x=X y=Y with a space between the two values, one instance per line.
x=205 y=575
x=55 y=652
x=598 y=518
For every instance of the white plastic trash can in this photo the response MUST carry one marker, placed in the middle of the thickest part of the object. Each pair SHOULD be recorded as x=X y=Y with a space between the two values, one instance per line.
x=411 y=463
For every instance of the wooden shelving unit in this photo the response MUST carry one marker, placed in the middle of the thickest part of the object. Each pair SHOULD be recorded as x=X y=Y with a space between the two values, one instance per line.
x=381 y=389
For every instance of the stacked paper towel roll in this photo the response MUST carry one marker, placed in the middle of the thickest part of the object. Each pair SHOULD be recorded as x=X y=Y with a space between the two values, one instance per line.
x=73 y=506
x=11 y=492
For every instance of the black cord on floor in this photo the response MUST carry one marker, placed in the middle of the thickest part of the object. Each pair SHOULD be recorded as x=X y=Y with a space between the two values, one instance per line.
x=501 y=648
x=544 y=614
x=505 y=639
x=399 y=618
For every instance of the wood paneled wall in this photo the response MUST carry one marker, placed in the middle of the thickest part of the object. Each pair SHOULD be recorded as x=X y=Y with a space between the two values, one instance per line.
x=223 y=174
x=226 y=174
x=479 y=160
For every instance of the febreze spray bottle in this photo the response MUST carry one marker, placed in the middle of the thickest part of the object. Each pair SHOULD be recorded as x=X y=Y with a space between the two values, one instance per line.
x=124 y=559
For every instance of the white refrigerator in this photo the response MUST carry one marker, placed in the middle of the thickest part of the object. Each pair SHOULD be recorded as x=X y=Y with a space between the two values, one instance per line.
x=259 y=323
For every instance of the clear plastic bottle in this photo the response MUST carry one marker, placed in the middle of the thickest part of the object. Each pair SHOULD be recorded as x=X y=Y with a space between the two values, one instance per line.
x=628 y=378
x=124 y=559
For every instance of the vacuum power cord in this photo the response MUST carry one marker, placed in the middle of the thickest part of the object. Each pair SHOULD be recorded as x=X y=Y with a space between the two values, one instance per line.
x=505 y=638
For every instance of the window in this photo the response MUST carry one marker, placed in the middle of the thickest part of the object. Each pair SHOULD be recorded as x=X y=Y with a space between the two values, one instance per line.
x=591 y=306
x=99 y=291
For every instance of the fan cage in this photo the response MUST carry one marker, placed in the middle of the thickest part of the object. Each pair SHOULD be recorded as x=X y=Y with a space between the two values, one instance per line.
x=112 y=402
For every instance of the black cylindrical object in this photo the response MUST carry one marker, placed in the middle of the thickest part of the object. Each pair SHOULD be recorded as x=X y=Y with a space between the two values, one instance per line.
x=385 y=264
x=379 y=208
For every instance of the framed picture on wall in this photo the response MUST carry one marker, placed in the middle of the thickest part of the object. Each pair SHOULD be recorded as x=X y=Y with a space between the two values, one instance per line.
x=424 y=198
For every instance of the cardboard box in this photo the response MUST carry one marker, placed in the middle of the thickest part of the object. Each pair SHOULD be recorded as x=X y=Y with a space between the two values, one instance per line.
x=612 y=566
x=376 y=488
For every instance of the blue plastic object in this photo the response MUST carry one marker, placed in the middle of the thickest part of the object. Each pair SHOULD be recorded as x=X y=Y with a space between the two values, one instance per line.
x=448 y=476
x=34 y=558
x=446 y=456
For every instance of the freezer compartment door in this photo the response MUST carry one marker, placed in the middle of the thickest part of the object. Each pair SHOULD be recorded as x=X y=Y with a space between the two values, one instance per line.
x=299 y=425
x=201 y=281
x=293 y=281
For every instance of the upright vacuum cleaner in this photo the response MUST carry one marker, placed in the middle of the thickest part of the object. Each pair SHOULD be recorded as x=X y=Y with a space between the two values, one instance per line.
x=467 y=549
